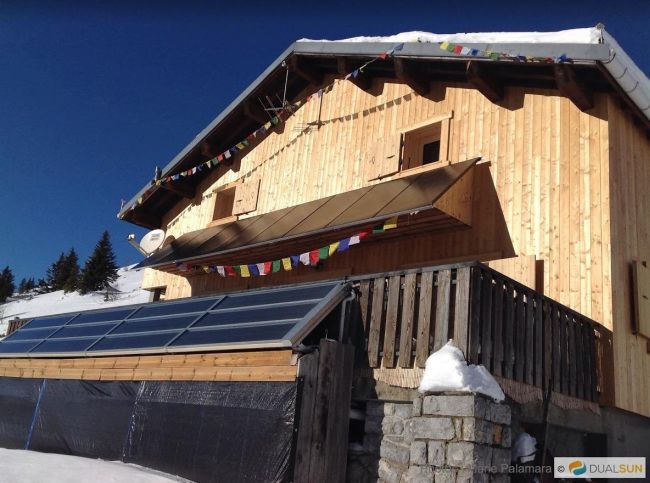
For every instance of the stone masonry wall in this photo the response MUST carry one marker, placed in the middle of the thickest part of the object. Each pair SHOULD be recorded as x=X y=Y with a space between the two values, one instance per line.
x=442 y=438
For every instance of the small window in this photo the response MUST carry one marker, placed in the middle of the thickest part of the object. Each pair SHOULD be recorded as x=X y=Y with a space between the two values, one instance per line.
x=224 y=202
x=422 y=146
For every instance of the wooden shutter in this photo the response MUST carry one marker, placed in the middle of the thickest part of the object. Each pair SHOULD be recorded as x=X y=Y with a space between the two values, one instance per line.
x=246 y=196
x=384 y=157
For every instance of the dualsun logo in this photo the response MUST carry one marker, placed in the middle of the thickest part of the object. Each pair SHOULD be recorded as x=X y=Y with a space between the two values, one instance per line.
x=577 y=467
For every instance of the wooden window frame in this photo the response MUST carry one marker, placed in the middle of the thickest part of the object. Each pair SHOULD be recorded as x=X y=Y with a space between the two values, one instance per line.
x=215 y=192
x=413 y=130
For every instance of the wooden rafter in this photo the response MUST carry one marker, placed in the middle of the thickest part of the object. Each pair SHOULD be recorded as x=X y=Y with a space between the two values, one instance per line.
x=415 y=79
x=309 y=73
x=145 y=218
x=485 y=82
x=363 y=82
x=571 y=87
x=254 y=112
x=179 y=188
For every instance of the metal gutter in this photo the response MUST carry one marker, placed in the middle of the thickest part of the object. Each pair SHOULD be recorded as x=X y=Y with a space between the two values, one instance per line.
x=630 y=78
x=627 y=75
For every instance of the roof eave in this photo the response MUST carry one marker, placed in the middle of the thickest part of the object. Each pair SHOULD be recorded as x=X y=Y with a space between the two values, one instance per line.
x=609 y=54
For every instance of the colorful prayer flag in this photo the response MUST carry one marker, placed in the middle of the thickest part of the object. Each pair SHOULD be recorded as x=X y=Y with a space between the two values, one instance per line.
x=390 y=223
x=333 y=247
x=286 y=263
x=277 y=266
x=344 y=245
x=243 y=271
x=314 y=257
x=295 y=259
x=304 y=258
x=230 y=271
x=252 y=269
x=324 y=252
x=221 y=271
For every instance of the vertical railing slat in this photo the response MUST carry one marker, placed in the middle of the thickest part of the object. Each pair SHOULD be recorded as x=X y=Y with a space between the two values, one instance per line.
x=441 y=331
x=547 y=346
x=424 y=319
x=508 y=322
x=530 y=338
x=408 y=310
x=557 y=349
x=539 y=340
x=486 y=320
x=376 y=316
x=497 y=341
x=520 y=336
x=390 y=330
x=461 y=315
x=475 y=316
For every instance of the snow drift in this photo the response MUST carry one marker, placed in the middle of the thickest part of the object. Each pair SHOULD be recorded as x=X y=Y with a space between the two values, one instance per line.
x=447 y=370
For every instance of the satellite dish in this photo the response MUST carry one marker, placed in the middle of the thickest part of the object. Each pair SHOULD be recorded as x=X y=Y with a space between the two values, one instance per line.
x=152 y=241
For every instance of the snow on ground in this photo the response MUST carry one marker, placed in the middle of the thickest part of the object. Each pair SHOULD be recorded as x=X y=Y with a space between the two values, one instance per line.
x=590 y=35
x=58 y=302
x=447 y=370
x=32 y=467
x=524 y=448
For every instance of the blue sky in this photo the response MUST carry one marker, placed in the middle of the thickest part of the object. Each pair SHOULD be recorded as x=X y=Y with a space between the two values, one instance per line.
x=94 y=95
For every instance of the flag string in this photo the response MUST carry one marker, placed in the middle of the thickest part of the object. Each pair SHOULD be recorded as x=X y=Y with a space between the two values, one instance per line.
x=286 y=111
x=308 y=258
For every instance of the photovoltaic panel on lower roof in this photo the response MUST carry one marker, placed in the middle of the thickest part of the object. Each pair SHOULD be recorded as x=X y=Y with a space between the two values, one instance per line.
x=279 y=317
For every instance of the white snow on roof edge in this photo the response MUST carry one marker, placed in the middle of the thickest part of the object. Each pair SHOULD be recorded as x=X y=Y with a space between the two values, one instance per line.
x=589 y=35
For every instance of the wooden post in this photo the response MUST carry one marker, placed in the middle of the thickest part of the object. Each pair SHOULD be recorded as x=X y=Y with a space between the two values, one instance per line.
x=461 y=316
x=322 y=442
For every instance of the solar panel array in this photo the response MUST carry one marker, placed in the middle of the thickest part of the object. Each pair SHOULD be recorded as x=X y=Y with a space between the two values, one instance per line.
x=274 y=317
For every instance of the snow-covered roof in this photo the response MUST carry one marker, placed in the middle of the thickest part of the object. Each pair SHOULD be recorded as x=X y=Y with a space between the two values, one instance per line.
x=584 y=46
x=589 y=35
x=128 y=292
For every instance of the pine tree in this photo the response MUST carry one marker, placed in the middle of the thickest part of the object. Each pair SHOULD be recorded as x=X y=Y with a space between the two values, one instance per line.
x=100 y=269
x=56 y=275
x=71 y=271
x=31 y=285
x=22 y=285
x=7 y=286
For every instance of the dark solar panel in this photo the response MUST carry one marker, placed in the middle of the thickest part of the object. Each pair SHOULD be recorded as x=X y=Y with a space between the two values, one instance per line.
x=233 y=334
x=261 y=316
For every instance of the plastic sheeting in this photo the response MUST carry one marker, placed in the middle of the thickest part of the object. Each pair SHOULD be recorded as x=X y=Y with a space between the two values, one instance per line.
x=204 y=431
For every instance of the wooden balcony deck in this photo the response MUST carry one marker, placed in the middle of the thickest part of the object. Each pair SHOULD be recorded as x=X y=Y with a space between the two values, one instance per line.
x=514 y=331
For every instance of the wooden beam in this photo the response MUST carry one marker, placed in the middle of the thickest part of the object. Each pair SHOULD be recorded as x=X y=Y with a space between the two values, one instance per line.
x=144 y=218
x=179 y=188
x=407 y=73
x=569 y=86
x=363 y=82
x=485 y=82
x=307 y=72
x=255 y=113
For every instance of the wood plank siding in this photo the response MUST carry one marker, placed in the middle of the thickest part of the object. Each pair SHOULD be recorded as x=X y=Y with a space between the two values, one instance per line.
x=276 y=365
x=544 y=195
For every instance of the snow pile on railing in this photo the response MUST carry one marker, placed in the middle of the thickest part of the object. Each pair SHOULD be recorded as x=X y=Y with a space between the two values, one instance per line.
x=589 y=35
x=447 y=370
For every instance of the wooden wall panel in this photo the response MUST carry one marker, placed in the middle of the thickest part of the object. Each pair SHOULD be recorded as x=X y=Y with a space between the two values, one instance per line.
x=544 y=193
x=630 y=241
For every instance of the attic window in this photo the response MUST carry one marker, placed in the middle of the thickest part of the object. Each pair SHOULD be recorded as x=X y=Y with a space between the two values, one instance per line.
x=426 y=143
x=223 y=204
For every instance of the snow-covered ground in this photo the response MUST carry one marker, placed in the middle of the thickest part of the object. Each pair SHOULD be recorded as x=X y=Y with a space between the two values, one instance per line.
x=590 y=35
x=128 y=285
x=32 y=467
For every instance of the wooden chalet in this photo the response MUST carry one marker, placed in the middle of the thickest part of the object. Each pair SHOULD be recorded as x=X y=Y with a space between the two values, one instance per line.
x=515 y=187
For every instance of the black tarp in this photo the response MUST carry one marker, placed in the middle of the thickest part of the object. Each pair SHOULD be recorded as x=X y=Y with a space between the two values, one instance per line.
x=18 y=398
x=203 y=431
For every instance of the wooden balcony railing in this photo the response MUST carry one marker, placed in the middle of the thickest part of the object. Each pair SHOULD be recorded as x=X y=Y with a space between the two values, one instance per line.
x=514 y=331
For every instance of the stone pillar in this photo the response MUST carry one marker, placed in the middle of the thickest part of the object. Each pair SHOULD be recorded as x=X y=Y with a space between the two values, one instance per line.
x=447 y=438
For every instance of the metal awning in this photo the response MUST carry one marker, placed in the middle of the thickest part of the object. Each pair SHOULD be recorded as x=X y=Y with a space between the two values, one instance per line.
x=320 y=220
x=254 y=319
